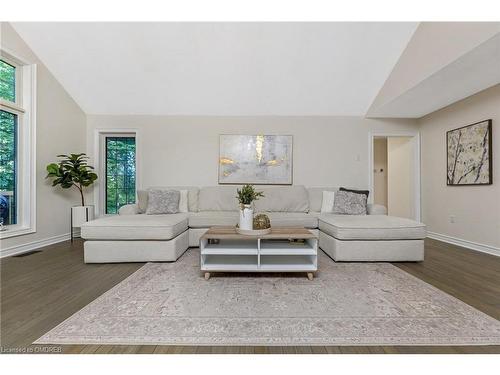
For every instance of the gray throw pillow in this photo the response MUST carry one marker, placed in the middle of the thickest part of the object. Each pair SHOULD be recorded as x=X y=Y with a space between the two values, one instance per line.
x=347 y=203
x=163 y=202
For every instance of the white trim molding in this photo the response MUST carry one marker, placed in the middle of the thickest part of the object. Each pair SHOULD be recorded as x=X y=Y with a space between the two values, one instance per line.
x=25 y=109
x=488 y=249
x=99 y=163
x=24 y=248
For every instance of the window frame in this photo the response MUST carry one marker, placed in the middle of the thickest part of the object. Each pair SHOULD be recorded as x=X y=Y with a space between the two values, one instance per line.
x=100 y=136
x=17 y=78
x=17 y=118
x=106 y=174
x=24 y=108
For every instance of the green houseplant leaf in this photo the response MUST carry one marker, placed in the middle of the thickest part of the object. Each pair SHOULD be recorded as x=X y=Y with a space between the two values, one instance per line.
x=72 y=170
x=247 y=194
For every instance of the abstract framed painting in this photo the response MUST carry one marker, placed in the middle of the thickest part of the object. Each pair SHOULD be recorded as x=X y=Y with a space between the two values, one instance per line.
x=469 y=155
x=255 y=159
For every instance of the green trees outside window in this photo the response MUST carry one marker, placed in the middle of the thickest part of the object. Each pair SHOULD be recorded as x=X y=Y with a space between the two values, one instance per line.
x=8 y=140
x=120 y=172
x=7 y=82
x=8 y=146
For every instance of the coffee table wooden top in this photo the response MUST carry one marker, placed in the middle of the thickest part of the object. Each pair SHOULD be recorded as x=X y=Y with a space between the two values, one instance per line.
x=229 y=233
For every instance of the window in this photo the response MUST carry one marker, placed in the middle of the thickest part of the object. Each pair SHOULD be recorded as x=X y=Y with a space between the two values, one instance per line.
x=17 y=156
x=8 y=185
x=120 y=172
x=7 y=81
x=8 y=146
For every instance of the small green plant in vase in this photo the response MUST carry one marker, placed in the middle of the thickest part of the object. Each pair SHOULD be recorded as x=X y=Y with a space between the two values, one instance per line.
x=246 y=196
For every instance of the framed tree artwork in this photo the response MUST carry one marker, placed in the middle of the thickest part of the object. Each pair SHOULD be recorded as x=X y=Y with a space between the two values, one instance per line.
x=469 y=155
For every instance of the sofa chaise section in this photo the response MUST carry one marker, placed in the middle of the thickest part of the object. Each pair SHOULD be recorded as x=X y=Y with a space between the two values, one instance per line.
x=135 y=238
x=371 y=238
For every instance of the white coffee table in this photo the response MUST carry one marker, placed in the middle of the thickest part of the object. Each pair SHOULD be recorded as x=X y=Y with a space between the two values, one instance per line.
x=282 y=250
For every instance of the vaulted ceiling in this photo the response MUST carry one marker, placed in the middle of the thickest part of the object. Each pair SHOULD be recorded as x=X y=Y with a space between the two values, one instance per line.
x=220 y=68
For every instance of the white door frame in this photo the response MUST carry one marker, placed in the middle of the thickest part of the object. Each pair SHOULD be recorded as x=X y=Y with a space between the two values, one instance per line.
x=100 y=160
x=416 y=159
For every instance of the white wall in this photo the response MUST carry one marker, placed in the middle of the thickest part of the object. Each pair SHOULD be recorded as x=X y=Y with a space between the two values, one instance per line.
x=400 y=177
x=476 y=208
x=380 y=171
x=433 y=46
x=185 y=150
x=60 y=129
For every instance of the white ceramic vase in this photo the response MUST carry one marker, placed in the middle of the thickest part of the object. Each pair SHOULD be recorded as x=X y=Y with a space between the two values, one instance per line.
x=246 y=217
x=81 y=214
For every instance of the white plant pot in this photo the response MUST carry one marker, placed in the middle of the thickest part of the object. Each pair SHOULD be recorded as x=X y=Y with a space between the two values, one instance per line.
x=246 y=217
x=80 y=215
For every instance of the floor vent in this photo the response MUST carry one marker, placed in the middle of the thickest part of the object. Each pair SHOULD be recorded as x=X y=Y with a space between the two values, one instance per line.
x=27 y=254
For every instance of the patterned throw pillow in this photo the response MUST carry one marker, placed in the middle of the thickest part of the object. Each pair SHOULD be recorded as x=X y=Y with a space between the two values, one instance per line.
x=347 y=203
x=365 y=192
x=163 y=202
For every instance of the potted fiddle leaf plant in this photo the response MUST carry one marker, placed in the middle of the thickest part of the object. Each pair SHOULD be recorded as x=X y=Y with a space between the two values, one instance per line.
x=73 y=171
x=246 y=196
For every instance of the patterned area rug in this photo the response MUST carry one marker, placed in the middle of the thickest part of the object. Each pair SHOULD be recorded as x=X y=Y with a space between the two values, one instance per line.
x=346 y=304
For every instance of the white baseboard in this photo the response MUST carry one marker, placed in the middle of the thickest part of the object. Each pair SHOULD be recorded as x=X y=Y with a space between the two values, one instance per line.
x=19 y=249
x=464 y=243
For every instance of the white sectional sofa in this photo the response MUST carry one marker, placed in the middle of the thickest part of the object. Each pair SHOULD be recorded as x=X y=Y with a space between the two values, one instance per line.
x=133 y=236
x=371 y=238
x=136 y=238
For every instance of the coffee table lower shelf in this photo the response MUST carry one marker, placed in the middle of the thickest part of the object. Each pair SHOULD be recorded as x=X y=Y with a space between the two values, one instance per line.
x=243 y=254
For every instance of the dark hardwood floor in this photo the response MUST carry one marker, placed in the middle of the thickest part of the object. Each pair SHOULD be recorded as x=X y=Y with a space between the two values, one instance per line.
x=41 y=290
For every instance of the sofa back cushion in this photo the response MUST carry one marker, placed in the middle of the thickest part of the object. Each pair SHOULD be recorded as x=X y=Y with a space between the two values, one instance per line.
x=283 y=199
x=316 y=197
x=218 y=198
x=142 y=197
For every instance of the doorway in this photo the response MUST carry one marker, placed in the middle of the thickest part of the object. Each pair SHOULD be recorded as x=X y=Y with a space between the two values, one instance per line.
x=395 y=174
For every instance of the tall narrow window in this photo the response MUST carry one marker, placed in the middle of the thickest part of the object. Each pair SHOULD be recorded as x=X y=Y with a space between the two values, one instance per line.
x=17 y=146
x=7 y=82
x=8 y=146
x=120 y=172
x=8 y=179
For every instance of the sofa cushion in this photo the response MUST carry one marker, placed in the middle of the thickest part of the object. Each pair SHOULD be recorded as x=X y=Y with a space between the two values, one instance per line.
x=163 y=202
x=371 y=227
x=293 y=219
x=328 y=201
x=142 y=200
x=364 y=192
x=218 y=198
x=316 y=197
x=183 y=201
x=376 y=209
x=348 y=203
x=142 y=197
x=129 y=209
x=135 y=227
x=283 y=199
x=208 y=219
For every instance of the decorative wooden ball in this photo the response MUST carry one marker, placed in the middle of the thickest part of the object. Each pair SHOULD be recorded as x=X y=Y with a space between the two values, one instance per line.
x=261 y=221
